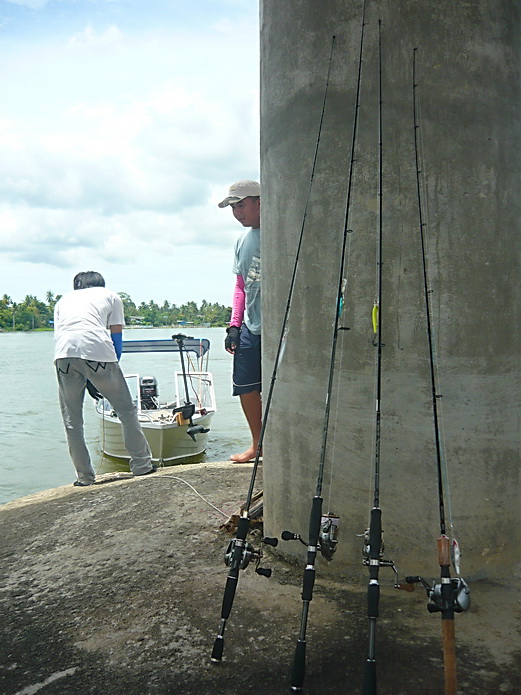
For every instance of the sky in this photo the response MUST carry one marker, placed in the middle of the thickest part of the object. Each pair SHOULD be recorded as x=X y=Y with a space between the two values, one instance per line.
x=122 y=125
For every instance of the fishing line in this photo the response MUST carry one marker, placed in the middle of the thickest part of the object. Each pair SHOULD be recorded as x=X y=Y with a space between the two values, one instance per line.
x=323 y=530
x=240 y=552
x=450 y=595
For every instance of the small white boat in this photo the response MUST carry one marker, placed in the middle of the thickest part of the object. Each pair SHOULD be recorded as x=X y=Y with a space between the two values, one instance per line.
x=177 y=429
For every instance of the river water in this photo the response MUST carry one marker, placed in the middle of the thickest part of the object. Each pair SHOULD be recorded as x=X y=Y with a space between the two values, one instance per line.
x=33 y=448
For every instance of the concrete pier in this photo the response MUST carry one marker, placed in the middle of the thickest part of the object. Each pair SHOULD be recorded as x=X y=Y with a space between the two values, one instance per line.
x=117 y=588
x=469 y=105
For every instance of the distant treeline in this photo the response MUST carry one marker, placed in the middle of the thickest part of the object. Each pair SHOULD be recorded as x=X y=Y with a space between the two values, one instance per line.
x=33 y=314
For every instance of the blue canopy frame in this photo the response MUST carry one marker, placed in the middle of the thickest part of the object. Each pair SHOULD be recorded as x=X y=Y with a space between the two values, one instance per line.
x=198 y=345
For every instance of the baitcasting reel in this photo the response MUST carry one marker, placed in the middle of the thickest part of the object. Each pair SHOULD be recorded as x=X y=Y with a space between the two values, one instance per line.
x=243 y=552
x=327 y=538
x=460 y=595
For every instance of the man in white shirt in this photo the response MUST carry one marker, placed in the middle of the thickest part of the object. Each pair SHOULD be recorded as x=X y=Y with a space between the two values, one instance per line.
x=88 y=337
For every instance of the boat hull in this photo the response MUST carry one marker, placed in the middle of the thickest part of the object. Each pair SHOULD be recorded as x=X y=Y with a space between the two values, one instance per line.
x=169 y=442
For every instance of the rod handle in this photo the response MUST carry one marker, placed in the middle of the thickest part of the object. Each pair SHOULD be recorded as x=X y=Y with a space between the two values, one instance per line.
x=314 y=521
x=373 y=599
x=375 y=533
x=443 y=551
x=299 y=666
x=308 y=582
x=229 y=593
x=218 y=648
x=369 y=678
x=449 y=656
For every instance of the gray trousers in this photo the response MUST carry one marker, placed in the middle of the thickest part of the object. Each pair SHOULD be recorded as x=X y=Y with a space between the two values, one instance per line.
x=108 y=378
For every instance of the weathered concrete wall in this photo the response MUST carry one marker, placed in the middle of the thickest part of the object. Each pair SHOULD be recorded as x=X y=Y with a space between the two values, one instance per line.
x=468 y=78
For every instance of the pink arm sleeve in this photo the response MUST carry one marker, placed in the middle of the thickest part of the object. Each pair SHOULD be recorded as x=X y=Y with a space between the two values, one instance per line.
x=239 y=302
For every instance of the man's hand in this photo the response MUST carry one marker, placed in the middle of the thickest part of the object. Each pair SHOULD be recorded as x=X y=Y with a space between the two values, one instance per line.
x=231 y=342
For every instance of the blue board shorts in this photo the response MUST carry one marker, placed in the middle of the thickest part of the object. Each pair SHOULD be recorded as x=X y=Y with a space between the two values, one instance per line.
x=247 y=363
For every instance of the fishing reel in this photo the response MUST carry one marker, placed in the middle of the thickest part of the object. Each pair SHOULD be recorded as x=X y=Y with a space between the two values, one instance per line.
x=327 y=537
x=243 y=552
x=460 y=594
x=366 y=552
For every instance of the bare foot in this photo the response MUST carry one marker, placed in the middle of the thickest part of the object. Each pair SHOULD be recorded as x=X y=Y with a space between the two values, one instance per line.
x=248 y=455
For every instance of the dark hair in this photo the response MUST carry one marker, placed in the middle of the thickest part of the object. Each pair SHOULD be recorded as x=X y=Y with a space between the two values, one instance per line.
x=88 y=279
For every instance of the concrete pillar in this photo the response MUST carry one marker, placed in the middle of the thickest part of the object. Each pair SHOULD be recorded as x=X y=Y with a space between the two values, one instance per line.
x=468 y=60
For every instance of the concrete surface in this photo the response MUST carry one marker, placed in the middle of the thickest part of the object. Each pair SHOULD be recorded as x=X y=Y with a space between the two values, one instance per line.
x=469 y=111
x=117 y=588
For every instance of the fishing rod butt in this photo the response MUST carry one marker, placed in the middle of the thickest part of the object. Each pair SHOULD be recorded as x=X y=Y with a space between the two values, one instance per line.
x=369 y=687
x=299 y=667
x=449 y=656
x=217 y=651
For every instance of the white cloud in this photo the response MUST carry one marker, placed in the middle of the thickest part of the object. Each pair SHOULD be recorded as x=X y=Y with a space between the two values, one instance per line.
x=89 y=38
x=116 y=145
x=33 y=4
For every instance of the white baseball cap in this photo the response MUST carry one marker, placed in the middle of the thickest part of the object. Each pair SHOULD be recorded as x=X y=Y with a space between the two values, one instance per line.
x=240 y=190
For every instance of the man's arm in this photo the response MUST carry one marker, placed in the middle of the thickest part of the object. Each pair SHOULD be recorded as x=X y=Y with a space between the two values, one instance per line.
x=239 y=302
x=116 y=333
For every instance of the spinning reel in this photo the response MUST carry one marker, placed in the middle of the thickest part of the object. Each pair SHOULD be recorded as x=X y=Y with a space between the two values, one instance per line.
x=460 y=595
x=381 y=562
x=327 y=538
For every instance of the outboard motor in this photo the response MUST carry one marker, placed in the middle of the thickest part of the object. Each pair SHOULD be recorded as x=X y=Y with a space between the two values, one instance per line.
x=148 y=392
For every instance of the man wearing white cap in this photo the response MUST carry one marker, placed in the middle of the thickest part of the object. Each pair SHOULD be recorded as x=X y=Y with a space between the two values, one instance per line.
x=244 y=333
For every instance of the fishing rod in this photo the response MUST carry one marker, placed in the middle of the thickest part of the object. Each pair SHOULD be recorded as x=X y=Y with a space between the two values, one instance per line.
x=240 y=551
x=373 y=543
x=187 y=410
x=323 y=529
x=451 y=595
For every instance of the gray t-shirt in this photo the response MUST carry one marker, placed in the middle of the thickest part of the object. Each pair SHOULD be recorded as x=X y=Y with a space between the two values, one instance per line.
x=247 y=264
